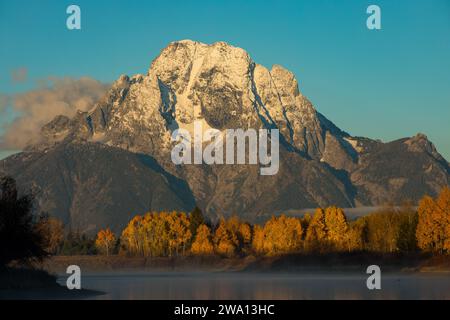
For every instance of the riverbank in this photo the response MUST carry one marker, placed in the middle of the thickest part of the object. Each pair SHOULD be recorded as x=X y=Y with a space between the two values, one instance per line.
x=290 y=263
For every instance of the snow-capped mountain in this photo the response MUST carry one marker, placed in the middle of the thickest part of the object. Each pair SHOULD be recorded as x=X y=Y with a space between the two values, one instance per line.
x=223 y=88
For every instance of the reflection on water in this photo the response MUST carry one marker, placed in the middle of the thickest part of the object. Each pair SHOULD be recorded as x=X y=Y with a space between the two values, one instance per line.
x=170 y=286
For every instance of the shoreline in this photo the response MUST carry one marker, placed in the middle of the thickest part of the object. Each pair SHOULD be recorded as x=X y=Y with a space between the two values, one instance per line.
x=279 y=264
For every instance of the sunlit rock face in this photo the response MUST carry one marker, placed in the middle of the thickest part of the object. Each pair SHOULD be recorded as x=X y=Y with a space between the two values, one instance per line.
x=218 y=84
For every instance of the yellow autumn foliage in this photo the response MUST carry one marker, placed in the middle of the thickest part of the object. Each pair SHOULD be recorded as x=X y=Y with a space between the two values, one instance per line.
x=202 y=244
x=105 y=241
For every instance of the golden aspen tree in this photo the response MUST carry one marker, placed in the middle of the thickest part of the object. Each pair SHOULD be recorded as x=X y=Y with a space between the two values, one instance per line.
x=241 y=232
x=337 y=227
x=157 y=234
x=226 y=248
x=316 y=234
x=258 y=239
x=165 y=244
x=202 y=244
x=186 y=236
x=433 y=229
x=281 y=235
x=174 y=228
x=145 y=234
x=427 y=233
x=295 y=233
x=179 y=231
x=224 y=240
x=271 y=236
x=129 y=238
x=354 y=240
x=443 y=204
x=105 y=241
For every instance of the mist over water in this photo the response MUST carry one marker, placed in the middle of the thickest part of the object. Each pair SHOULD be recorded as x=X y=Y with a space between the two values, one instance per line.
x=263 y=286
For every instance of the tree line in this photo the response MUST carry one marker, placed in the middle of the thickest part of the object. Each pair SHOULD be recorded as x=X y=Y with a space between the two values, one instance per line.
x=389 y=230
x=425 y=228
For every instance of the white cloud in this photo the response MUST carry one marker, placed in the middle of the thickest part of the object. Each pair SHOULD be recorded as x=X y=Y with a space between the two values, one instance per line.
x=37 y=107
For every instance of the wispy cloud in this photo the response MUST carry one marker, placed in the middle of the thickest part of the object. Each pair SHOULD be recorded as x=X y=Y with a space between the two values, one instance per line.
x=35 y=108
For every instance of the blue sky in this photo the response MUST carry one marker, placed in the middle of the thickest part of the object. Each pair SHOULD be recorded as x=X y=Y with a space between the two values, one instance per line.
x=385 y=84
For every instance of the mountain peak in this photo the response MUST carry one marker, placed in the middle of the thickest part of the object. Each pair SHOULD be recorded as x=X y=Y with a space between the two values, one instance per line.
x=421 y=143
x=129 y=131
x=218 y=84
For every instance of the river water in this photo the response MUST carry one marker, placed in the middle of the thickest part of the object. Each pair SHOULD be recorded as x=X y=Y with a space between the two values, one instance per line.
x=307 y=285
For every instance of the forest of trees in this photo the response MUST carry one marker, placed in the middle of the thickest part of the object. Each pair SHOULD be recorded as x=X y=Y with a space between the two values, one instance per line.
x=390 y=230
x=394 y=229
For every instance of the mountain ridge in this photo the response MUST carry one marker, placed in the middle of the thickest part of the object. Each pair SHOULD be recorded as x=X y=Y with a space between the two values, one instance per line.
x=223 y=88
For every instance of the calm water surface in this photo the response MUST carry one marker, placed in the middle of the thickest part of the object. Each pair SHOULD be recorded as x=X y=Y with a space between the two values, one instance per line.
x=173 y=286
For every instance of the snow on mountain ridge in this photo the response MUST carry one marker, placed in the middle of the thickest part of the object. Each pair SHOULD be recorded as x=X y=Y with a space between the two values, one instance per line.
x=218 y=84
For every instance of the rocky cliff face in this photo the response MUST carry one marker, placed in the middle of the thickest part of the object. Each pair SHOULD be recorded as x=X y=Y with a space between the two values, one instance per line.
x=217 y=84
x=220 y=86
